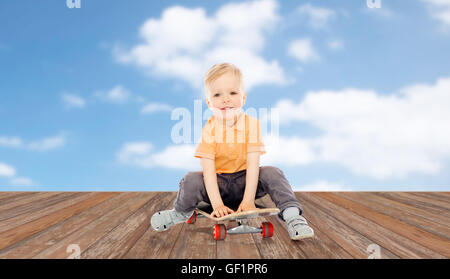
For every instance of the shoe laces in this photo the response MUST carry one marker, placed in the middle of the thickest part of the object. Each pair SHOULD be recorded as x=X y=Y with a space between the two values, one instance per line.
x=296 y=221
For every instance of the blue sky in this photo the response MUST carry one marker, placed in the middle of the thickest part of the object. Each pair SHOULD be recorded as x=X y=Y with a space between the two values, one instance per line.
x=86 y=94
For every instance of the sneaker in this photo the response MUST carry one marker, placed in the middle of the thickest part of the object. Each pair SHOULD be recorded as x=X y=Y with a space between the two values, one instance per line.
x=163 y=220
x=298 y=228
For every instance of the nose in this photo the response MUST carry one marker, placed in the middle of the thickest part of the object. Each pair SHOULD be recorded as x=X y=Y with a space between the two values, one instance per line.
x=226 y=98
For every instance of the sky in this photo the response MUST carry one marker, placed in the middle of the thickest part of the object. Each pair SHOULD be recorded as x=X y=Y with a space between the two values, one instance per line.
x=92 y=98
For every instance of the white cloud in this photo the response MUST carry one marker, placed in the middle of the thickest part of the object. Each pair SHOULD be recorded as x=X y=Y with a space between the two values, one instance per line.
x=39 y=145
x=318 y=17
x=185 y=42
x=335 y=44
x=132 y=152
x=321 y=186
x=21 y=181
x=382 y=13
x=141 y=154
x=7 y=170
x=440 y=10
x=14 y=142
x=10 y=172
x=177 y=157
x=48 y=143
x=303 y=50
x=287 y=151
x=116 y=95
x=371 y=134
x=156 y=107
x=73 y=101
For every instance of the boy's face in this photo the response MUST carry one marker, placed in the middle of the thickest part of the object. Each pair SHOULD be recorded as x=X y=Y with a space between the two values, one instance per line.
x=226 y=97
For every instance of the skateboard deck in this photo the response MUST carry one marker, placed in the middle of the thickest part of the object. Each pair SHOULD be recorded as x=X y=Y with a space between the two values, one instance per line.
x=259 y=212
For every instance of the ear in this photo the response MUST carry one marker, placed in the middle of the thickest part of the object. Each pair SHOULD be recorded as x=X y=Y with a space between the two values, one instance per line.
x=207 y=102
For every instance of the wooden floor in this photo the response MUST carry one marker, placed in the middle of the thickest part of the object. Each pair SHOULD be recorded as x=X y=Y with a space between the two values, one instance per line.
x=116 y=225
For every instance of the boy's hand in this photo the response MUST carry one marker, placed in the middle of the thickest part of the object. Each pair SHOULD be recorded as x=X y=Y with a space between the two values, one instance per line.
x=221 y=211
x=246 y=205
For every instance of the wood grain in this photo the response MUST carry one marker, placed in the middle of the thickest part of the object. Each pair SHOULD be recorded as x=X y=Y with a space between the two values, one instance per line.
x=120 y=239
x=40 y=241
x=402 y=212
x=86 y=236
x=21 y=232
x=153 y=244
x=335 y=223
x=117 y=225
x=418 y=235
x=194 y=241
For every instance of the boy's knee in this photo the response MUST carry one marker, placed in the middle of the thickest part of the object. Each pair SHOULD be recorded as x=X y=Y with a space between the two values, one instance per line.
x=270 y=172
x=192 y=180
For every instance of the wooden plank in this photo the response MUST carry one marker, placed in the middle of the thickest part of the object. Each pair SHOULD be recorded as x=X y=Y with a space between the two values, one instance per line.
x=19 y=200
x=279 y=245
x=412 y=205
x=33 y=204
x=119 y=226
x=5 y=194
x=399 y=211
x=335 y=221
x=276 y=246
x=443 y=205
x=86 y=236
x=440 y=196
x=119 y=240
x=331 y=248
x=397 y=196
x=7 y=197
x=409 y=205
x=153 y=243
x=236 y=246
x=19 y=233
x=195 y=241
x=67 y=199
x=321 y=246
x=40 y=241
x=420 y=236
x=390 y=242
x=169 y=241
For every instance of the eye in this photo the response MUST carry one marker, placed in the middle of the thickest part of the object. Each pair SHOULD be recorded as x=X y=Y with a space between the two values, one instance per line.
x=233 y=93
x=216 y=95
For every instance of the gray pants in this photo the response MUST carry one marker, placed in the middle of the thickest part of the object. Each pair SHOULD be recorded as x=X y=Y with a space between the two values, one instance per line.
x=271 y=181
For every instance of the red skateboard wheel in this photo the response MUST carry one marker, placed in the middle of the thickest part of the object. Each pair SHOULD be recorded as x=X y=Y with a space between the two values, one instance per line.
x=192 y=219
x=219 y=231
x=267 y=229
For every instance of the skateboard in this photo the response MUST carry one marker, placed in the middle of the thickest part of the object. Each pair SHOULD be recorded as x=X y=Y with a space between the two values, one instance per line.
x=220 y=231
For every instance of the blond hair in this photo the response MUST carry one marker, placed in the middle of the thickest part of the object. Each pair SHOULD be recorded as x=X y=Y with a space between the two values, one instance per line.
x=218 y=70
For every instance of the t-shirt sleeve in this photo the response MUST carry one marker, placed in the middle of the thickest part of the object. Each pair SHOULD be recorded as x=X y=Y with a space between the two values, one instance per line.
x=206 y=147
x=254 y=137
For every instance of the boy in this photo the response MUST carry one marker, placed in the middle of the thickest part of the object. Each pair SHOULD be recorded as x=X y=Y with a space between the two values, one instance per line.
x=229 y=152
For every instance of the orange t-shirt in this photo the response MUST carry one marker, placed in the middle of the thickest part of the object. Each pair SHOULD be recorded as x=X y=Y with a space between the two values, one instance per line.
x=228 y=146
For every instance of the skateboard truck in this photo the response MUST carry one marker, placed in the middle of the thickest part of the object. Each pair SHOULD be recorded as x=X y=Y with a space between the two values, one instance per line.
x=243 y=228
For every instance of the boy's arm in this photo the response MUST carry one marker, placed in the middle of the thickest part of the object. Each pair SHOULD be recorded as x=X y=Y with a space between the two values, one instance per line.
x=251 y=181
x=212 y=188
